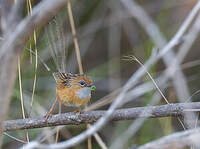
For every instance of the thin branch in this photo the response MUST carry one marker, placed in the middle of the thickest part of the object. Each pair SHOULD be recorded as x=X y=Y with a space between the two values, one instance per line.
x=100 y=141
x=175 y=140
x=41 y=60
x=148 y=73
x=21 y=96
x=59 y=112
x=72 y=118
x=14 y=138
x=40 y=15
x=77 y=49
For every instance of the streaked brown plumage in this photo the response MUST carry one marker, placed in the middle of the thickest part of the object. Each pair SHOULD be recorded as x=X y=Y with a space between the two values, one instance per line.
x=72 y=89
x=67 y=87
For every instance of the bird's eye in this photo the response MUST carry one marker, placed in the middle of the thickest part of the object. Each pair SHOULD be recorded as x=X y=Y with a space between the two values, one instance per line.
x=82 y=82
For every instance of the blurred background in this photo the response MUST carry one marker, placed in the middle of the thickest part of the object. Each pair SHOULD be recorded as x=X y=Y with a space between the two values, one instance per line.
x=106 y=32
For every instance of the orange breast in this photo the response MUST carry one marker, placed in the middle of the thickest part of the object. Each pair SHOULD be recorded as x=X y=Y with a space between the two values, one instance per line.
x=68 y=96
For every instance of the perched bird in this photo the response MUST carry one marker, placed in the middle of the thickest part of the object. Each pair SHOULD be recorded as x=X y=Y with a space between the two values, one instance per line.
x=72 y=90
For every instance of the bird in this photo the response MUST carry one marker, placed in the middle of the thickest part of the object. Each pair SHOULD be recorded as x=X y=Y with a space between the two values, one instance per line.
x=72 y=90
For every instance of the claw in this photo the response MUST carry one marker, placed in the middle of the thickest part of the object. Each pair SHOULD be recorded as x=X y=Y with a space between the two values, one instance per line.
x=78 y=111
x=48 y=115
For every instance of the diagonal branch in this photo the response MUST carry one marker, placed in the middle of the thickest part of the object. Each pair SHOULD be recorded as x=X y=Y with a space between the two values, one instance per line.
x=72 y=118
x=41 y=13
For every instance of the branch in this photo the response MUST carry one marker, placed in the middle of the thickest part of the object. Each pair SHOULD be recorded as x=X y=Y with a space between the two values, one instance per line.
x=175 y=140
x=41 y=13
x=70 y=118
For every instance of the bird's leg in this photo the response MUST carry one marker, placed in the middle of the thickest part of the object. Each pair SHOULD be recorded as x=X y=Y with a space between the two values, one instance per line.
x=51 y=109
x=78 y=111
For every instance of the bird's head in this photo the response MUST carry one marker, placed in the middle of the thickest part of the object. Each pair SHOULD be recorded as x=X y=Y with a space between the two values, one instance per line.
x=82 y=84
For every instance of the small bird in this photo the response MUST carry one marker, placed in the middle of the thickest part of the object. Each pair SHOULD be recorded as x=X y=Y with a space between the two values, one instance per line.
x=72 y=90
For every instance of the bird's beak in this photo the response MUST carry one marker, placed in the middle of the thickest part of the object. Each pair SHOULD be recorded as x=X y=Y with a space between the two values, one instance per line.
x=92 y=88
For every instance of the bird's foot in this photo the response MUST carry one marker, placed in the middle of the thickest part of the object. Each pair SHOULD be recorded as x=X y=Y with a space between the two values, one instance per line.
x=78 y=111
x=48 y=115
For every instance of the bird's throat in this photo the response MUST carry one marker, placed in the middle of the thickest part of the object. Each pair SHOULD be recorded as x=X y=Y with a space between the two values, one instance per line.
x=84 y=93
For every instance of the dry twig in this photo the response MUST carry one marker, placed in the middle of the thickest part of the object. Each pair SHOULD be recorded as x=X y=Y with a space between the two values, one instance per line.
x=175 y=140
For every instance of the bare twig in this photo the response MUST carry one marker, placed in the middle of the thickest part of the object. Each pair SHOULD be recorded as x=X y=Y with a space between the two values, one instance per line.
x=41 y=60
x=14 y=138
x=154 y=82
x=100 y=141
x=176 y=140
x=72 y=118
x=185 y=47
x=31 y=22
x=21 y=96
x=36 y=58
x=77 y=49
x=59 y=112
